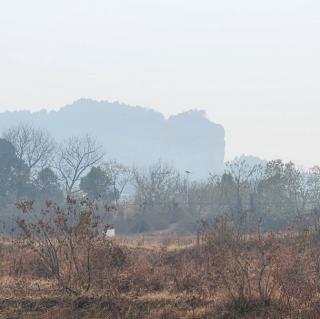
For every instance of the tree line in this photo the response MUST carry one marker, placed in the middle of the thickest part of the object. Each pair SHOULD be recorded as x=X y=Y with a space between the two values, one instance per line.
x=34 y=166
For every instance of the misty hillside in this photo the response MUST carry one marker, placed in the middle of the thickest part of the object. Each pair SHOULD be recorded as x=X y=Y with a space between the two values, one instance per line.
x=136 y=135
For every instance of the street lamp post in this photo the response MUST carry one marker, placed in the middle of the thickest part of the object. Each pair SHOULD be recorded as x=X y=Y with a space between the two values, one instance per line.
x=187 y=174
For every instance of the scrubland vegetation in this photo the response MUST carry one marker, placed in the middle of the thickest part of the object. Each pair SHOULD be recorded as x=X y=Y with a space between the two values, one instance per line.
x=63 y=266
x=243 y=244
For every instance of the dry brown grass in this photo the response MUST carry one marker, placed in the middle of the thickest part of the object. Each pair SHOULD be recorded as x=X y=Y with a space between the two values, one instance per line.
x=218 y=279
x=64 y=268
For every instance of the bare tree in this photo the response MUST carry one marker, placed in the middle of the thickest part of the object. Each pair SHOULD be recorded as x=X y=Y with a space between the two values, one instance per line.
x=74 y=157
x=120 y=176
x=34 y=146
x=158 y=185
x=243 y=175
x=314 y=187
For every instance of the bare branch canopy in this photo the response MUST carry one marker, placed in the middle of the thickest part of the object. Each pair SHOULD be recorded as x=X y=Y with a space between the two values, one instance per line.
x=74 y=157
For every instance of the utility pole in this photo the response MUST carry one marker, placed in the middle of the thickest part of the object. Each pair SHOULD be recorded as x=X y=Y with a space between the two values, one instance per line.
x=187 y=174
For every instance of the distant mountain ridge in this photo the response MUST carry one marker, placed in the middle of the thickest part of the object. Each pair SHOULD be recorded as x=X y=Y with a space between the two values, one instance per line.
x=136 y=135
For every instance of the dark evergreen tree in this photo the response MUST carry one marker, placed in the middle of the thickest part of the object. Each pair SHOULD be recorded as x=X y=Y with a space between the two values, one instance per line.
x=14 y=175
x=98 y=184
x=47 y=186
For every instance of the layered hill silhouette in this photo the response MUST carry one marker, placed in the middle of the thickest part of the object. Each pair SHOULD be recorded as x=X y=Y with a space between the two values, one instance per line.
x=136 y=135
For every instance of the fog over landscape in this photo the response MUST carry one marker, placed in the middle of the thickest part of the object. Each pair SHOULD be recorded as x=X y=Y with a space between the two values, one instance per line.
x=159 y=159
x=253 y=66
x=136 y=135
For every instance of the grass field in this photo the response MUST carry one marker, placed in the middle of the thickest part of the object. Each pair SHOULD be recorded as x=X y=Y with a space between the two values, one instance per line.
x=168 y=277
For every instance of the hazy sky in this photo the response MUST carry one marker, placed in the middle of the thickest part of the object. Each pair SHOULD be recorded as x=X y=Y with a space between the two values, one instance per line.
x=253 y=65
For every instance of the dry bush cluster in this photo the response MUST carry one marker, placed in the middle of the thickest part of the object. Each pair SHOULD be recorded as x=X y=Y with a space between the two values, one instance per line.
x=62 y=265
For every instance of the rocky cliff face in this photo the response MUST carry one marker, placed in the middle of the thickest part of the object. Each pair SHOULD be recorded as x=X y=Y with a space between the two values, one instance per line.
x=135 y=135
